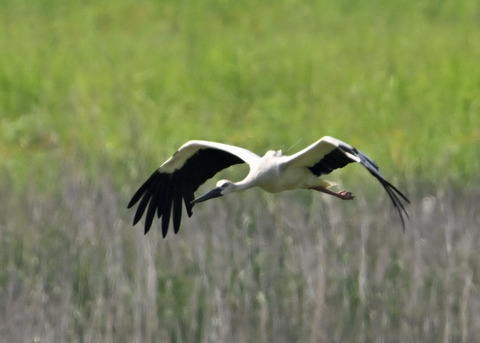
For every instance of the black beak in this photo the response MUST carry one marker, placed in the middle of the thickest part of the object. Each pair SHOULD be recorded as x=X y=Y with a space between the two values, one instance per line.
x=214 y=193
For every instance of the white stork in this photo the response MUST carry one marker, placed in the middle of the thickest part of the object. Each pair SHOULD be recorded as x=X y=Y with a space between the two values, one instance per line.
x=197 y=161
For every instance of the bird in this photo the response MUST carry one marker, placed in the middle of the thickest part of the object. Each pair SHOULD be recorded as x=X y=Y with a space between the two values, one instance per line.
x=176 y=180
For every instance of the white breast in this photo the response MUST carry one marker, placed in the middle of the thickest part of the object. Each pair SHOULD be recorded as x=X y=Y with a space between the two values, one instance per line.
x=272 y=175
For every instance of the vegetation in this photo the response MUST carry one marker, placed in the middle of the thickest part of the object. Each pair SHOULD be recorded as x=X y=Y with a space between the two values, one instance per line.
x=94 y=95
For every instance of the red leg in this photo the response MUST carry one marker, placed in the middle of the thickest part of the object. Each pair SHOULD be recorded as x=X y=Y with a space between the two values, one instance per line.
x=344 y=195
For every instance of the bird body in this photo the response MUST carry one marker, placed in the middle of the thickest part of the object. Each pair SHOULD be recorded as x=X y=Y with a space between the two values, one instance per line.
x=273 y=173
x=196 y=161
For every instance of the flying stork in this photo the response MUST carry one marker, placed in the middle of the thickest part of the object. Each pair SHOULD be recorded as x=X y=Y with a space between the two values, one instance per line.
x=197 y=161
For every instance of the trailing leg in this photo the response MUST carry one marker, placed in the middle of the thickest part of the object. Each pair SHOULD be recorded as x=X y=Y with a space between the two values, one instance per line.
x=344 y=195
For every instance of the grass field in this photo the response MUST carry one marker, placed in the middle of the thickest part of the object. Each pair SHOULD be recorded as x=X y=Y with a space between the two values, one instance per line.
x=95 y=95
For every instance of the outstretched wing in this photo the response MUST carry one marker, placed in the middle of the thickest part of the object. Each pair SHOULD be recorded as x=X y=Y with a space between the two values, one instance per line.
x=180 y=176
x=328 y=154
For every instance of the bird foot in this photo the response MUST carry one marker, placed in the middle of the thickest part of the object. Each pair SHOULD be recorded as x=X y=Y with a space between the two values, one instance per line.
x=344 y=195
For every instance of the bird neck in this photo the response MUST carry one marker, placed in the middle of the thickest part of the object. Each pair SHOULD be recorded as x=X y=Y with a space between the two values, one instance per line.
x=243 y=185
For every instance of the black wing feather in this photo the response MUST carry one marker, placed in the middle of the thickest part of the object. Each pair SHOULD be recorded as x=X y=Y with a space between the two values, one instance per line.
x=167 y=209
x=159 y=201
x=151 y=205
x=144 y=202
x=177 y=213
x=331 y=161
x=338 y=158
x=141 y=191
x=164 y=192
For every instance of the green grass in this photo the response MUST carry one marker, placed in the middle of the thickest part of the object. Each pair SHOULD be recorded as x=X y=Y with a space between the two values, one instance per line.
x=95 y=95
x=133 y=79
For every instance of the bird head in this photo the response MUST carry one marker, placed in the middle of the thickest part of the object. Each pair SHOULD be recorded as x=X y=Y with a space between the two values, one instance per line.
x=223 y=187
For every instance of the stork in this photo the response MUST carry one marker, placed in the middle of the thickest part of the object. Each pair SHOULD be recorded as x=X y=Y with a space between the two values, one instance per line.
x=197 y=161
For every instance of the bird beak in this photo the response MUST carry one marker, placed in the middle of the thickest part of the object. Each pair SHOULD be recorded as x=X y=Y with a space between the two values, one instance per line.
x=214 y=193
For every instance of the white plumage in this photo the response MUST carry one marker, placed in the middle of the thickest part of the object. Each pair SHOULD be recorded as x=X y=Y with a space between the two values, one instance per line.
x=197 y=161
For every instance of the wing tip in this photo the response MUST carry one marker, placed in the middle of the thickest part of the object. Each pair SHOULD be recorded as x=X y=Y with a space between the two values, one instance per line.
x=394 y=193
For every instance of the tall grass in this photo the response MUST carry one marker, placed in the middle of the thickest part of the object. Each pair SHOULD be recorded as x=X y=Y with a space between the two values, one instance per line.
x=295 y=267
x=93 y=96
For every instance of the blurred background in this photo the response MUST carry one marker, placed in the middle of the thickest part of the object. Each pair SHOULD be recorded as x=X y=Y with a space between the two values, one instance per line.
x=94 y=95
